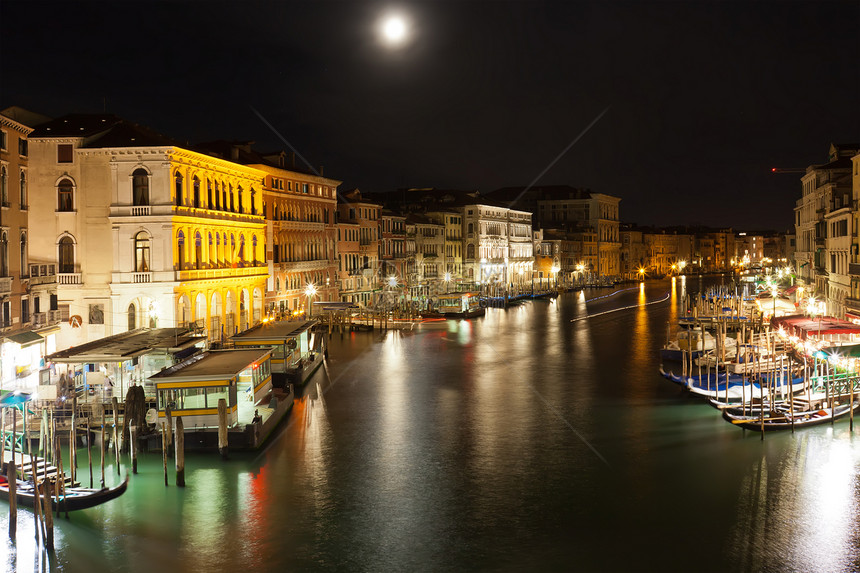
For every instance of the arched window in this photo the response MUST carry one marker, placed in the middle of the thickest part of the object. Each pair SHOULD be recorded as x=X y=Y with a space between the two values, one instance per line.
x=141 y=253
x=140 y=188
x=178 y=188
x=470 y=251
x=23 y=197
x=217 y=193
x=24 y=253
x=65 y=195
x=198 y=251
x=224 y=199
x=180 y=246
x=132 y=317
x=254 y=249
x=196 y=187
x=239 y=192
x=4 y=255
x=254 y=202
x=232 y=201
x=208 y=194
x=4 y=185
x=66 y=255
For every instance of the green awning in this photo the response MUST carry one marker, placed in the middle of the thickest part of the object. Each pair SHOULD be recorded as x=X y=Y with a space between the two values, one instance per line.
x=25 y=338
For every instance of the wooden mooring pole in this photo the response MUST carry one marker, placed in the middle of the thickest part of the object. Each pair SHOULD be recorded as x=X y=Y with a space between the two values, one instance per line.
x=90 y=449
x=12 y=477
x=164 y=451
x=222 y=428
x=180 y=452
x=115 y=404
x=132 y=444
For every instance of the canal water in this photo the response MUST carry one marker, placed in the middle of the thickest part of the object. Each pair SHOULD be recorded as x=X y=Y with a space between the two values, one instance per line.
x=537 y=438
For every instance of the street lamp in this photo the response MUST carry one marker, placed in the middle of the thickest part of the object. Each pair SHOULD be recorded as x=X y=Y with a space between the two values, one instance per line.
x=310 y=291
x=447 y=279
x=641 y=274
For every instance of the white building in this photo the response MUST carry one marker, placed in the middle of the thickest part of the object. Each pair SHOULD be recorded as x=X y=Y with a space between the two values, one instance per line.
x=136 y=231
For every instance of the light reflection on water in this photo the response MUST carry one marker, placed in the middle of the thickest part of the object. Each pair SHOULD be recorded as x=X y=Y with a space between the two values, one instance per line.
x=467 y=446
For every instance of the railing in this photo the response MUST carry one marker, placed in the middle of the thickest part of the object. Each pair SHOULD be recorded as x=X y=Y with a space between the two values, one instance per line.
x=145 y=277
x=69 y=278
x=45 y=318
x=141 y=211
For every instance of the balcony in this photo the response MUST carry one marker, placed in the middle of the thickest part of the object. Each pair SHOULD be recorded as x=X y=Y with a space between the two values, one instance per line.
x=223 y=273
x=69 y=278
x=40 y=319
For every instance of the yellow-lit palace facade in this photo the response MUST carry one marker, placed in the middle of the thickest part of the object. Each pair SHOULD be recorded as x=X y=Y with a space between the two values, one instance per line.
x=191 y=244
x=138 y=231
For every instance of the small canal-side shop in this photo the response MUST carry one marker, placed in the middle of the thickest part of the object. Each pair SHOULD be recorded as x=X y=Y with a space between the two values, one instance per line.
x=104 y=368
x=192 y=388
x=243 y=378
x=295 y=348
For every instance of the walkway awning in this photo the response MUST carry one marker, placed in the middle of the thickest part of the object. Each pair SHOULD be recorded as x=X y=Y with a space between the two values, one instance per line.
x=25 y=338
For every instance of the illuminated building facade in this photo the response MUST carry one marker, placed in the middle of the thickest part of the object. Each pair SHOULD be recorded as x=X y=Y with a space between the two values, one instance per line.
x=142 y=232
x=393 y=260
x=25 y=323
x=452 y=222
x=498 y=245
x=357 y=247
x=301 y=231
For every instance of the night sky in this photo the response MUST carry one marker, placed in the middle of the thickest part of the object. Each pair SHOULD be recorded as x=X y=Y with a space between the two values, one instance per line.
x=701 y=99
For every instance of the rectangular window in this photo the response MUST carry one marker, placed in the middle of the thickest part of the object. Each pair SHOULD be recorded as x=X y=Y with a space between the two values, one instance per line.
x=304 y=187
x=3 y=140
x=22 y=147
x=64 y=153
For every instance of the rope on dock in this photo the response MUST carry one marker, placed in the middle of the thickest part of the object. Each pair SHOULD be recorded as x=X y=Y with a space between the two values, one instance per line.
x=664 y=299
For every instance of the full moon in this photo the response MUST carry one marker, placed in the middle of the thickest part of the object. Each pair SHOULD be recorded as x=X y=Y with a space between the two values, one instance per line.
x=394 y=30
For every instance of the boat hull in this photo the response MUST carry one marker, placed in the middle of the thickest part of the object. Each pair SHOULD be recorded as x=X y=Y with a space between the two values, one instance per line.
x=785 y=420
x=76 y=498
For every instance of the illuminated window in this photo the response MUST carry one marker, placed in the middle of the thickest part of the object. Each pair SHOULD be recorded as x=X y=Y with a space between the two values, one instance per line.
x=141 y=253
x=23 y=195
x=65 y=195
x=177 y=188
x=140 y=188
x=4 y=255
x=66 y=255
x=4 y=186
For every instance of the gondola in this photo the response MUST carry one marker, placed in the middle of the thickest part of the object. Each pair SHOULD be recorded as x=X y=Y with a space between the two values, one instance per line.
x=783 y=419
x=72 y=499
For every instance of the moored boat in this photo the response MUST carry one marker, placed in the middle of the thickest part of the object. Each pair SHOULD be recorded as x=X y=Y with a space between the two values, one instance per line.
x=783 y=418
x=72 y=498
